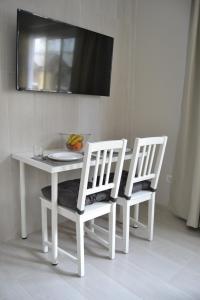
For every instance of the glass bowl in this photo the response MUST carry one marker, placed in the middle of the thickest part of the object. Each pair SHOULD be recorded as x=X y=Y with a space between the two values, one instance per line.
x=75 y=141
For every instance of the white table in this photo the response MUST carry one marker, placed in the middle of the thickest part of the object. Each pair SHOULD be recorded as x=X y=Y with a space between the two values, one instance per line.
x=54 y=170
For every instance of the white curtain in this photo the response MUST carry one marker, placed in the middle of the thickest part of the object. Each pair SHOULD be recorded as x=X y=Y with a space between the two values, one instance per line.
x=185 y=193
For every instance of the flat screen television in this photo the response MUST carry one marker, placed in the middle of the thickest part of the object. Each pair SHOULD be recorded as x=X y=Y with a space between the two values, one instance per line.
x=53 y=56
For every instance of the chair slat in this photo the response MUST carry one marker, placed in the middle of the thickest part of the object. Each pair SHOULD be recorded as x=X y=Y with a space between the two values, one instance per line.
x=142 y=161
x=109 y=166
x=151 y=159
x=147 y=160
x=103 y=167
x=158 y=163
x=94 y=183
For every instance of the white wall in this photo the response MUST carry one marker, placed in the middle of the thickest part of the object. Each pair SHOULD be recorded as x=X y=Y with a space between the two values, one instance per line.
x=147 y=80
x=29 y=118
x=161 y=28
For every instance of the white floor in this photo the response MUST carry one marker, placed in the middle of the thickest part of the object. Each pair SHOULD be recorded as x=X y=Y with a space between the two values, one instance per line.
x=167 y=268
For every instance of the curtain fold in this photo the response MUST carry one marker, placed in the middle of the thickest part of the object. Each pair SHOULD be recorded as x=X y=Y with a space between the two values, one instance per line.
x=185 y=192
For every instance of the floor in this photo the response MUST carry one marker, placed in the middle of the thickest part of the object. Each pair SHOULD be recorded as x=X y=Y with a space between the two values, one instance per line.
x=167 y=268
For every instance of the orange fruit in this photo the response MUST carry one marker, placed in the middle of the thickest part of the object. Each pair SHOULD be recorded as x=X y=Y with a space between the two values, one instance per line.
x=78 y=146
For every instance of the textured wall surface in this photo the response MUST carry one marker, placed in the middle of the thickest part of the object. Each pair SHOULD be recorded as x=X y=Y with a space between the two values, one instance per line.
x=160 y=52
x=146 y=89
x=28 y=119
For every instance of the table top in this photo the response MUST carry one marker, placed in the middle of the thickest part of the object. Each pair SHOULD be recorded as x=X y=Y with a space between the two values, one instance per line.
x=51 y=166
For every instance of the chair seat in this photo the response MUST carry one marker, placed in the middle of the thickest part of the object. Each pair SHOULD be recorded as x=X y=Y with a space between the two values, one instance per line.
x=68 y=191
x=91 y=211
x=136 y=198
x=68 y=194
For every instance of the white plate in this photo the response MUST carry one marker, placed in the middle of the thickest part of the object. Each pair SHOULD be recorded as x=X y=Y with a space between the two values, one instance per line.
x=65 y=156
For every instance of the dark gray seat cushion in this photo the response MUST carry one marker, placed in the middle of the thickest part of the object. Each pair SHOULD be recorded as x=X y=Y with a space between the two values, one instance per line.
x=68 y=191
x=138 y=186
x=68 y=194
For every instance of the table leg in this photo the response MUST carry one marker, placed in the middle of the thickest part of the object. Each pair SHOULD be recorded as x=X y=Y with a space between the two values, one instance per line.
x=23 y=201
x=54 y=217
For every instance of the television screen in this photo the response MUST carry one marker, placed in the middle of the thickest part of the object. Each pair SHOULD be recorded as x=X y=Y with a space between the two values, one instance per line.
x=57 y=57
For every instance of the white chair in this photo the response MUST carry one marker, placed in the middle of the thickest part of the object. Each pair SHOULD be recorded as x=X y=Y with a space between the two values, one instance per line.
x=145 y=166
x=97 y=160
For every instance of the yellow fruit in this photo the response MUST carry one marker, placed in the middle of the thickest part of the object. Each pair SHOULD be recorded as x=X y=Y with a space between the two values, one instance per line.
x=70 y=138
x=78 y=138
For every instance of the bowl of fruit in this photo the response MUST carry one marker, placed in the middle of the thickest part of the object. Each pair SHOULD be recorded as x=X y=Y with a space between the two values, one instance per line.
x=75 y=141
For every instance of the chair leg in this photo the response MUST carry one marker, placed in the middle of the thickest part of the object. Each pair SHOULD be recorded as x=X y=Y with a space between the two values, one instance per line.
x=80 y=246
x=54 y=233
x=90 y=225
x=44 y=227
x=126 y=224
x=136 y=215
x=151 y=208
x=112 y=229
x=120 y=215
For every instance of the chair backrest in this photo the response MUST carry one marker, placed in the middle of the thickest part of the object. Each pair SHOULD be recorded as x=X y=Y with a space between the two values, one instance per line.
x=146 y=162
x=97 y=165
